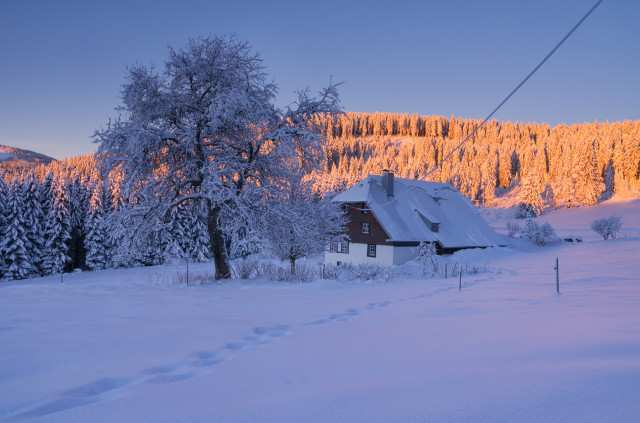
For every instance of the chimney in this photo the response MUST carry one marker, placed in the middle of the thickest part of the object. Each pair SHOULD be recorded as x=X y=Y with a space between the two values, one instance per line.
x=387 y=181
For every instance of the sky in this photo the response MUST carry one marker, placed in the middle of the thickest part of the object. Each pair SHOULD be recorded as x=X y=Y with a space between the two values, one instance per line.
x=63 y=63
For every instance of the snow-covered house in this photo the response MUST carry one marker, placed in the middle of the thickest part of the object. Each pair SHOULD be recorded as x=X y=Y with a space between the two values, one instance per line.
x=389 y=217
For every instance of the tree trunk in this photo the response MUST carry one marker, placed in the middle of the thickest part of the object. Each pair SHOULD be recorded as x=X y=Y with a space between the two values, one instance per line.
x=292 y=260
x=217 y=244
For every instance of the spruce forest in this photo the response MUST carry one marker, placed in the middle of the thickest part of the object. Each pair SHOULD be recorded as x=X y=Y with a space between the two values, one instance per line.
x=55 y=217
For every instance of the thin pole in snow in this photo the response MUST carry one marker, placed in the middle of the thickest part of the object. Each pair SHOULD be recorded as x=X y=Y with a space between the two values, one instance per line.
x=61 y=277
x=557 y=269
x=187 y=273
x=460 y=282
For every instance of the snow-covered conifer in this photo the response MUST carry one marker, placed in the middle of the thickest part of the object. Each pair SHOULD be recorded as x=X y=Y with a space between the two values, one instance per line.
x=107 y=198
x=174 y=242
x=57 y=231
x=96 y=241
x=531 y=201
x=78 y=205
x=46 y=194
x=489 y=178
x=4 y=193
x=587 y=180
x=33 y=220
x=13 y=246
x=608 y=177
x=198 y=245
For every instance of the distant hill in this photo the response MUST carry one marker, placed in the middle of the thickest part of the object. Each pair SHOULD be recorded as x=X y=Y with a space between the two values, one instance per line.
x=14 y=161
x=12 y=153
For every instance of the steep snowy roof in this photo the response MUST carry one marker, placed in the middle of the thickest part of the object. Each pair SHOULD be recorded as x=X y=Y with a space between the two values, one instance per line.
x=408 y=214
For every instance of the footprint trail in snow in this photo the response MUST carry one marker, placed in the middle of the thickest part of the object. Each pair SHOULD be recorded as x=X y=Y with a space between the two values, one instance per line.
x=195 y=364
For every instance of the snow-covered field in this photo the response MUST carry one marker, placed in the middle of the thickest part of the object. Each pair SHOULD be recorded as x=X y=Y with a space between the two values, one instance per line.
x=131 y=346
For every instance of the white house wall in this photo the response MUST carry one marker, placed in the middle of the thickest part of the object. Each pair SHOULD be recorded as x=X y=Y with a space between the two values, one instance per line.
x=402 y=255
x=386 y=255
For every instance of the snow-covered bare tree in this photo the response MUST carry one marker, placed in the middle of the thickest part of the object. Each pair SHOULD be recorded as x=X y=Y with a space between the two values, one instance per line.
x=206 y=130
x=428 y=258
x=300 y=224
x=608 y=226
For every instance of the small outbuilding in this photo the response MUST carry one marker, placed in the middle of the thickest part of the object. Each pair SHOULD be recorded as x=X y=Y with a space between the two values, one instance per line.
x=389 y=217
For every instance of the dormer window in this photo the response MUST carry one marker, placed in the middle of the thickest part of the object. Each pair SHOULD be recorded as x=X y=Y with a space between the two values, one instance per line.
x=433 y=226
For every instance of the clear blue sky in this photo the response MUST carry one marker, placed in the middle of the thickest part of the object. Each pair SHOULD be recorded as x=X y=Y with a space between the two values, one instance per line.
x=62 y=62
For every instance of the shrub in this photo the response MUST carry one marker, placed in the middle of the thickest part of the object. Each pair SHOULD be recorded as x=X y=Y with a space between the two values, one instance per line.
x=304 y=273
x=194 y=278
x=428 y=258
x=245 y=268
x=540 y=234
x=330 y=271
x=370 y=272
x=513 y=228
x=608 y=226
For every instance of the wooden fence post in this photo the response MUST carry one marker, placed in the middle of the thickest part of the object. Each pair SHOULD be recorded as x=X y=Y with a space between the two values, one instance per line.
x=557 y=269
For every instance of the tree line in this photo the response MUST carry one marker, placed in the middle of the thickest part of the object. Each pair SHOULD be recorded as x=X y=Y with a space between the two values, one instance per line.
x=61 y=216
x=58 y=217
x=563 y=166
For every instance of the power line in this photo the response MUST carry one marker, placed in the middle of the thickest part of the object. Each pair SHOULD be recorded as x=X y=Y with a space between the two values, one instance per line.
x=518 y=87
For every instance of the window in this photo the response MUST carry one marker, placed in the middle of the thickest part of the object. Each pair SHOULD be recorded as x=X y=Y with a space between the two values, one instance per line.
x=342 y=247
x=371 y=250
x=365 y=208
x=365 y=228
